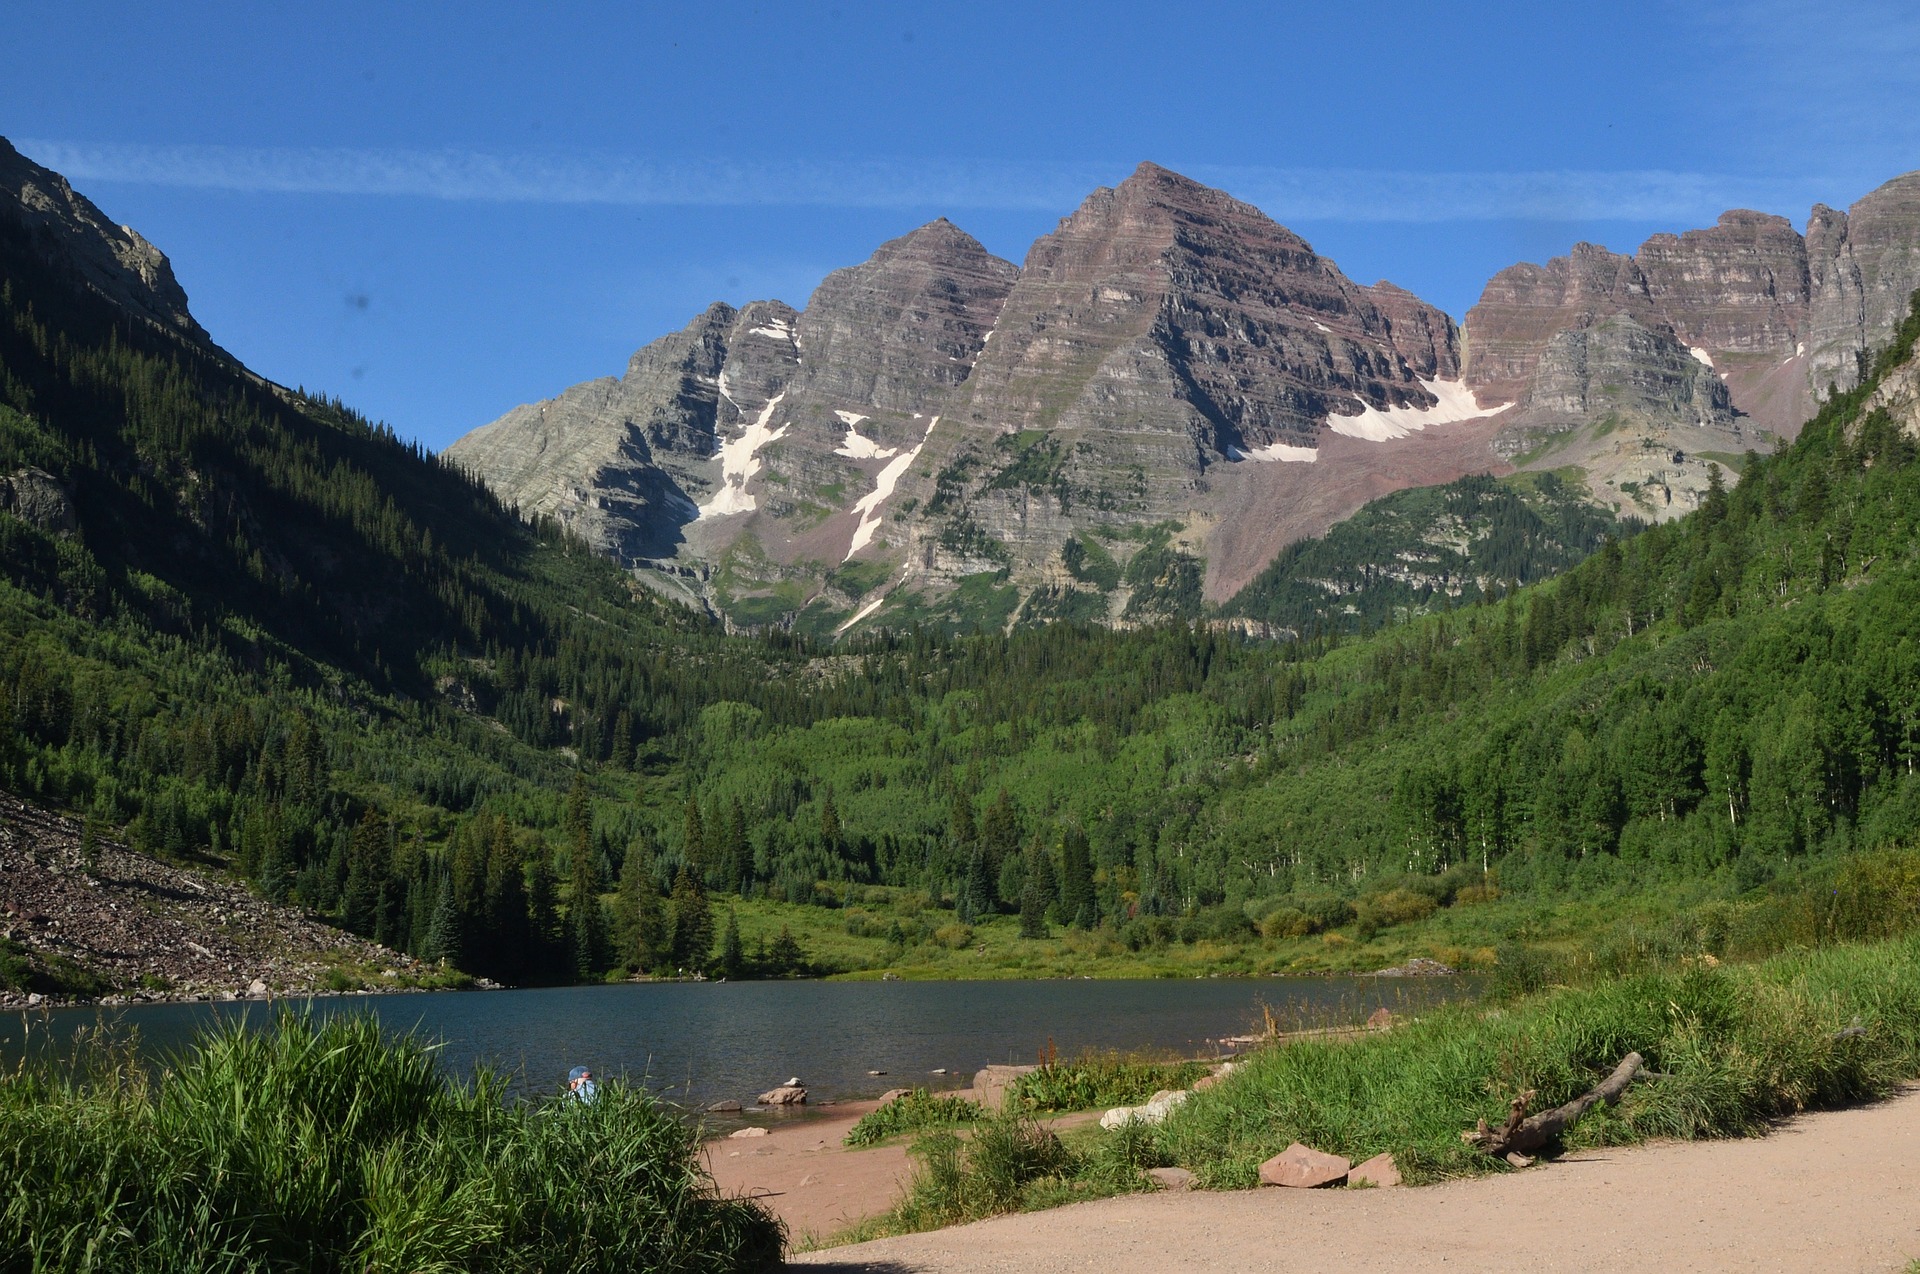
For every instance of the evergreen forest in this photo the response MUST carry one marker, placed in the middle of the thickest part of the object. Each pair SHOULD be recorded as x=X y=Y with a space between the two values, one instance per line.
x=277 y=638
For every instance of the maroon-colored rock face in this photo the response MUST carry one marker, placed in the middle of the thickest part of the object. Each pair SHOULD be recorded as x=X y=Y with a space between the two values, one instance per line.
x=1739 y=288
x=1164 y=306
x=1777 y=317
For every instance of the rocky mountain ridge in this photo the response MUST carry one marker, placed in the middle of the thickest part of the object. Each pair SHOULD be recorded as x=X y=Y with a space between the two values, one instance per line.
x=113 y=260
x=1170 y=389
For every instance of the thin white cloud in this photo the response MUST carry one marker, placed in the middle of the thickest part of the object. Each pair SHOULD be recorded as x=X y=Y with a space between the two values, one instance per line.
x=1304 y=194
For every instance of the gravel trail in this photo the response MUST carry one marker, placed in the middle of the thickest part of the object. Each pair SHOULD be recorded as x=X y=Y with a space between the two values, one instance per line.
x=1836 y=1191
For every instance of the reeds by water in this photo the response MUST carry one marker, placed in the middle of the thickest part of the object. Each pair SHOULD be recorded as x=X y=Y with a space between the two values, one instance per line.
x=327 y=1146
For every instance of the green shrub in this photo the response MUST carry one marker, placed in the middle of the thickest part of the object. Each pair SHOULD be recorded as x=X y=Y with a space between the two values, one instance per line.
x=915 y=1111
x=1100 y=1079
x=955 y=1180
x=1735 y=1045
x=1394 y=907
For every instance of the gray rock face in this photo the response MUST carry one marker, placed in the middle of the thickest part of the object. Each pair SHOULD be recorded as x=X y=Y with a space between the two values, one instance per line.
x=622 y=463
x=1621 y=370
x=1863 y=266
x=113 y=259
x=39 y=499
x=727 y=431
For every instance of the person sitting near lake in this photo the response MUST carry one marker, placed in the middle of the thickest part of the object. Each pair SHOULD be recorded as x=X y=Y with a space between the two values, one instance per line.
x=580 y=1085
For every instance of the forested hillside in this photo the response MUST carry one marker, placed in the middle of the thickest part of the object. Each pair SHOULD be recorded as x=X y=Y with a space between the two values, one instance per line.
x=244 y=624
x=1429 y=548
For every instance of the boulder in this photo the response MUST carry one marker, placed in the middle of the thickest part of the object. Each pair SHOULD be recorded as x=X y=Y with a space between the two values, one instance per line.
x=1205 y=1082
x=1382 y=1018
x=992 y=1083
x=724 y=1108
x=1171 y=1178
x=40 y=500
x=747 y=1132
x=893 y=1095
x=1379 y=1170
x=1304 y=1168
x=256 y=987
x=1155 y=1111
x=785 y=1095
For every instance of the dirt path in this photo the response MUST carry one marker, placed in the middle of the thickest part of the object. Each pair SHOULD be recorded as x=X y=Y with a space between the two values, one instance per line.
x=806 y=1177
x=1830 y=1192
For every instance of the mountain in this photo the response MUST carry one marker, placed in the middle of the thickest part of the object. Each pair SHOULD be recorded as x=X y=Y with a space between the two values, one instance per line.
x=243 y=627
x=1645 y=371
x=110 y=260
x=1169 y=357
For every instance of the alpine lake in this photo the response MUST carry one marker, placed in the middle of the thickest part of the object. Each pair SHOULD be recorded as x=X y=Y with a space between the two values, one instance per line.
x=699 y=1043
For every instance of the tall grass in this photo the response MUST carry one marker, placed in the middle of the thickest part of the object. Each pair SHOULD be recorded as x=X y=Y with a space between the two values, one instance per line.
x=329 y=1147
x=1738 y=1045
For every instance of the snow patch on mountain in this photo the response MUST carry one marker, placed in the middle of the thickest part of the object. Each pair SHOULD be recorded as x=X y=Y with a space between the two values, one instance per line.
x=868 y=505
x=740 y=460
x=1456 y=403
x=856 y=445
x=1700 y=355
x=1278 y=451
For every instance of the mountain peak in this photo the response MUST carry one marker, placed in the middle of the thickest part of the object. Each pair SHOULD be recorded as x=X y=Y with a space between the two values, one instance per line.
x=114 y=260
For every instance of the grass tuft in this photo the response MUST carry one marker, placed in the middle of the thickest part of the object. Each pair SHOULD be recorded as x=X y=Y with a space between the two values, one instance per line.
x=916 y=1111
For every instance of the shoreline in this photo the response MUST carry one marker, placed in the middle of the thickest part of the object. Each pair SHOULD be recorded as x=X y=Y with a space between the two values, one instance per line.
x=1736 y=1203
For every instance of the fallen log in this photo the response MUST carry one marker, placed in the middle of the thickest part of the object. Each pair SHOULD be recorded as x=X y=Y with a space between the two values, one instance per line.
x=1523 y=1134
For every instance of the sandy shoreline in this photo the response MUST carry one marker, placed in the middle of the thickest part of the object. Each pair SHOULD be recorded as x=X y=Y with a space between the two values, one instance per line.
x=1833 y=1191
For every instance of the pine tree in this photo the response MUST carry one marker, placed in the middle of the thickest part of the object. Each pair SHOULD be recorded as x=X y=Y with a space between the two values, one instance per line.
x=586 y=927
x=733 y=957
x=830 y=823
x=786 y=957
x=543 y=918
x=1079 y=905
x=1033 y=902
x=978 y=889
x=443 y=929
x=691 y=921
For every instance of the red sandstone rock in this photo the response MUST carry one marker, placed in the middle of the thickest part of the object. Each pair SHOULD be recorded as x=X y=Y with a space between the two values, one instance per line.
x=1379 y=1170
x=1304 y=1168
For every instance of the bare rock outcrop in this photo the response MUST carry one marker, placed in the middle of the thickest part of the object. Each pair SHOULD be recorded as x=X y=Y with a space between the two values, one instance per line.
x=40 y=500
x=114 y=260
x=1863 y=265
x=1777 y=316
x=1163 y=331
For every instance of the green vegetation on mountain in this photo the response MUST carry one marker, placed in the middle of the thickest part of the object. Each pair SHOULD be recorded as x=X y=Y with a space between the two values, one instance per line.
x=284 y=640
x=1429 y=548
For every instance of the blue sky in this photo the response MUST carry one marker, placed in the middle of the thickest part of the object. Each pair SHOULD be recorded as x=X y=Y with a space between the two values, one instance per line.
x=439 y=211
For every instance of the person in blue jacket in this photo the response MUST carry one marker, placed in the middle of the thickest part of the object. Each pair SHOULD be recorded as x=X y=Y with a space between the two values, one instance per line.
x=580 y=1085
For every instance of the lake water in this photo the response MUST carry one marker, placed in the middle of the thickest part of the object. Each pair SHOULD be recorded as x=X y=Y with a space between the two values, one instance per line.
x=704 y=1042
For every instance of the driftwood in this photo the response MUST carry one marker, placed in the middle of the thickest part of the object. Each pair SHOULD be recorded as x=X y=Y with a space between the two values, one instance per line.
x=1524 y=1134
